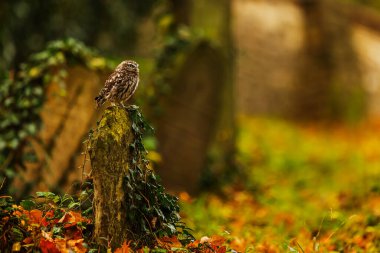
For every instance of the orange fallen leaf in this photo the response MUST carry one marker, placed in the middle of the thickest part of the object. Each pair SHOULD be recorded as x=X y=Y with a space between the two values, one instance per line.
x=238 y=244
x=169 y=242
x=77 y=246
x=123 y=249
x=48 y=246
x=217 y=240
x=72 y=218
x=27 y=240
x=35 y=216
x=193 y=244
x=222 y=249
x=60 y=243
x=47 y=219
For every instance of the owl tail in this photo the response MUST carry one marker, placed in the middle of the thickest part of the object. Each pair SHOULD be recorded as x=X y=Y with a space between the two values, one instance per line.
x=100 y=100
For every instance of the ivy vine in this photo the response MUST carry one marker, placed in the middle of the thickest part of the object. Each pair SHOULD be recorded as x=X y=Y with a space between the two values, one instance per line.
x=176 y=40
x=153 y=213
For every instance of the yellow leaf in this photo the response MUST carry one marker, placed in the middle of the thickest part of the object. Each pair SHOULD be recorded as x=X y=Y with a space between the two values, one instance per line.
x=154 y=156
x=34 y=72
x=97 y=62
x=16 y=247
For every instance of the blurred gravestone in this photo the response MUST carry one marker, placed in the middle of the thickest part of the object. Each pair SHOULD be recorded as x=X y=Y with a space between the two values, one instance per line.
x=191 y=111
x=67 y=114
x=330 y=84
x=196 y=129
x=305 y=59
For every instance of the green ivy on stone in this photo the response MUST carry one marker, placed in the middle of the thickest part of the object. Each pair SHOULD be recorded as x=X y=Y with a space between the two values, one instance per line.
x=22 y=95
x=146 y=197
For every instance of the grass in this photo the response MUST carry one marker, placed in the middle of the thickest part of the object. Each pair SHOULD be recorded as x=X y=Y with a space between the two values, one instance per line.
x=307 y=188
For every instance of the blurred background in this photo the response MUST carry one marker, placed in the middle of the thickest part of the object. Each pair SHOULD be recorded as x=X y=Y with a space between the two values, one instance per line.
x=204 y=65
x=271 y=103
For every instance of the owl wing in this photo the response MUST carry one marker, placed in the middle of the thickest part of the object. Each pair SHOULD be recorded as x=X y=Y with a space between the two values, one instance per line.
x=106 y=92
x=111 y=84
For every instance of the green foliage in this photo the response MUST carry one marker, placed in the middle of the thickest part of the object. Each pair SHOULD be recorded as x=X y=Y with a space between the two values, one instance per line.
x=177 y=39
x=12 y=230
x=152 y=212
x=22 y=96
x=108 y=25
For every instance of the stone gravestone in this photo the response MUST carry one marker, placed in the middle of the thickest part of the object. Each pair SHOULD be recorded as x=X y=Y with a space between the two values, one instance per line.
x=187 y=128
x=67 y=114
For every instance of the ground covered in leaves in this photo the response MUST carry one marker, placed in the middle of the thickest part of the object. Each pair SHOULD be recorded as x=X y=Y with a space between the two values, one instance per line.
x=307 y=188
x=302 y=188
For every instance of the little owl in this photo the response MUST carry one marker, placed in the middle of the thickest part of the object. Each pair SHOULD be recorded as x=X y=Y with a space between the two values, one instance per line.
x=120 y=85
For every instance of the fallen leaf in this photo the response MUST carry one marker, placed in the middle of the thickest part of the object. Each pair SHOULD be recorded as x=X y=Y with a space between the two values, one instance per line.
x=35 y=216
x=124 y=248
x=169 y=242
x=47 y=219
x=60 y=243
x=217 y=240
x=77 y=245
x=47 y=235
x=28 y=240
x=48 y=246
x=16 y=247
x=71 y=219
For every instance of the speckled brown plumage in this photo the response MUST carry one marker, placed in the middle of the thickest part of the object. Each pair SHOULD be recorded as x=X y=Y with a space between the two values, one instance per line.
x=121 y=84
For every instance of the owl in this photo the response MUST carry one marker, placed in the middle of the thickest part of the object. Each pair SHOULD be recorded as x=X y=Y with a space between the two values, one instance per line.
x=120 y=85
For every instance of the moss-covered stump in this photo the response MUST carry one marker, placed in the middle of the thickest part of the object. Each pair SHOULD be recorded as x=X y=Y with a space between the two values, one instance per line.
x=129 y=202
x=109 y=160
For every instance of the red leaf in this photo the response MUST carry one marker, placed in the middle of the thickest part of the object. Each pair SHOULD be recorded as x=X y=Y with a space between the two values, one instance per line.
x=27 y=240
x=35 y=216
x=48 y=247
x=221 y=250
x=46 y=220
x=193 y=244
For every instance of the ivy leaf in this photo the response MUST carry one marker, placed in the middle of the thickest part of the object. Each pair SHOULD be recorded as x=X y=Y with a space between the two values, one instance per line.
x=45 y=195
x=48 y=195
x=73 y=204
x=171 y=228
x=28 y=204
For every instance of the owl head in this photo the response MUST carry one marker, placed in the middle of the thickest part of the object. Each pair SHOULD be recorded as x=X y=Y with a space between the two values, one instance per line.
x=128 y=65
